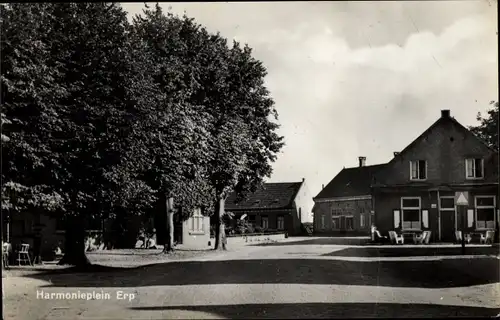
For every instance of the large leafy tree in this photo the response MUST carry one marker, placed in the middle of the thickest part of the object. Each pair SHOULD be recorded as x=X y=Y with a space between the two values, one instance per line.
x=224 y=89
x=244 y=132
x=487 y=129
x=29 y=93
x=176 y=136
x=100 y=159
x=73 y=101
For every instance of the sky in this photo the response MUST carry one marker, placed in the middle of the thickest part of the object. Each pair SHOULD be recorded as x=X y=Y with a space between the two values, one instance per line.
x=354 y=79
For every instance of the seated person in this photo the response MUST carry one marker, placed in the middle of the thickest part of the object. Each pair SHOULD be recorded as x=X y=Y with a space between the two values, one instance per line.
x=376 y=236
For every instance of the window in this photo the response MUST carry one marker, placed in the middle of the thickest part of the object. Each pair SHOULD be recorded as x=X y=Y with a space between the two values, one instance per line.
x=485 y=212
x=410 y=208
x=323 y=222
x=447 y=203
x=362 y=217
x=474 y=168
x=281 y=223
x=418 y=170
x=197 y=224
x=349 y=223
x=335 y=222
x=265 y=222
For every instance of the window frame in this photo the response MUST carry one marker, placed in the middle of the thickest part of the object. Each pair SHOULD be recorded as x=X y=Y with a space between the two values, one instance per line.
x=262 y=219
x=352 y=222
x=419 y=208
x=493 y=207
x=282 y=219
x=338 y=226
x=418 y=170
x=322 y=221
x=199 y=218
x=454 y=209
x=474 y=169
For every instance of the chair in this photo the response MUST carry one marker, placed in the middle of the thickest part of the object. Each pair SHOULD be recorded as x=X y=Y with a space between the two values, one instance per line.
x=23 y=254
x=420 y=238
x=488 y=237
x=395 y=238
x=426 y=237
x=458 y=235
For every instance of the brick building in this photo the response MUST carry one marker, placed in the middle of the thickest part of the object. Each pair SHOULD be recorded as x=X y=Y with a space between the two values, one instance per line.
x=344 y=206
x=415 y=190
x=279 y=206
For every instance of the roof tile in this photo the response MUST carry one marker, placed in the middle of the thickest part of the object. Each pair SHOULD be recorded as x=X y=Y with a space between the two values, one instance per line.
x=350 y=182
x=270 y=196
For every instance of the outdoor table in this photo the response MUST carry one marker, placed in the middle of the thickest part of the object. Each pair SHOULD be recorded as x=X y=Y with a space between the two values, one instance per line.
x=469 y=235
x=413 y=234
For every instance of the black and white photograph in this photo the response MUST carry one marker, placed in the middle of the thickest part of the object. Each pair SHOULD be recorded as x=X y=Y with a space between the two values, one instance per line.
x=249 y=160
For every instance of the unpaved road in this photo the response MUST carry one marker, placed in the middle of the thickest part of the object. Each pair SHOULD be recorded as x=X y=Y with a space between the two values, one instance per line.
x=290 y=280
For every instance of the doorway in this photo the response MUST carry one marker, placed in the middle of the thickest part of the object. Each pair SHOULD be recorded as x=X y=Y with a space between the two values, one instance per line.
x=448 y=226
x=448 y=216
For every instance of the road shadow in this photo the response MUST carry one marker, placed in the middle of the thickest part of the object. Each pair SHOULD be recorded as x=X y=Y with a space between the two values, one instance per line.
x=331 y=310
x=144 y=252
x=412 y=251
x=319 y=241
x=423 y=274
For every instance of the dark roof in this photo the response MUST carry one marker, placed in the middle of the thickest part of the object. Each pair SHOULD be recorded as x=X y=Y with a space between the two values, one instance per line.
x=350 y=182
x=442 y=120
x=269 y=196
x=438 y=122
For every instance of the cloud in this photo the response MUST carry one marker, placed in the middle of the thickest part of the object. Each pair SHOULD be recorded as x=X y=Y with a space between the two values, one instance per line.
x=378 y=98
x=362 y=79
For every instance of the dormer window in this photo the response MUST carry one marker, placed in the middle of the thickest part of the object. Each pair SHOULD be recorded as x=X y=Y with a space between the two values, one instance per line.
x=474 y=168
x=418 y=170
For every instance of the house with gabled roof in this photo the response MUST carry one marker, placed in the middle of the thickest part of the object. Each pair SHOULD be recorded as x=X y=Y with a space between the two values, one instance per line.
x=415 y=191
x=281 y=206
x=344 y=206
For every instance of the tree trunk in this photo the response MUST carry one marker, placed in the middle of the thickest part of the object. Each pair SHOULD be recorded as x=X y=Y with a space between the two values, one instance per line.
x=220 y=231
x=169 y=239
x=74 y=246
x=37 y=241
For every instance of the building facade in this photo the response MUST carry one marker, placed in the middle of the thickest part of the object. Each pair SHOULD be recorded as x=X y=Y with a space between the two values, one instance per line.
x=416 y=190
x=344 y=206
x=274 y=207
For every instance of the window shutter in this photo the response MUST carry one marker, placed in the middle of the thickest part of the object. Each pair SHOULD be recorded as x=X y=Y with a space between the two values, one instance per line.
x=425 y=218
x=470 y=218
x=397 y=218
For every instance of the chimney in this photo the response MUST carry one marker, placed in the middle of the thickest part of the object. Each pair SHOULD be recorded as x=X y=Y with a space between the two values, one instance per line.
x=396 y=153
x=322 y=186
x=362 y=161
x=445 y=113
x=303 y=179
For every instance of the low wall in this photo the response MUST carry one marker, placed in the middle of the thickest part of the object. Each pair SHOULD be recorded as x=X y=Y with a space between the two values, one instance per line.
x=252 y=239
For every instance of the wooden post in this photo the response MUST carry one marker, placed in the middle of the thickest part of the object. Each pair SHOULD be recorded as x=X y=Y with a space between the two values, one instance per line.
x=462 y=202
x=462 y=214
